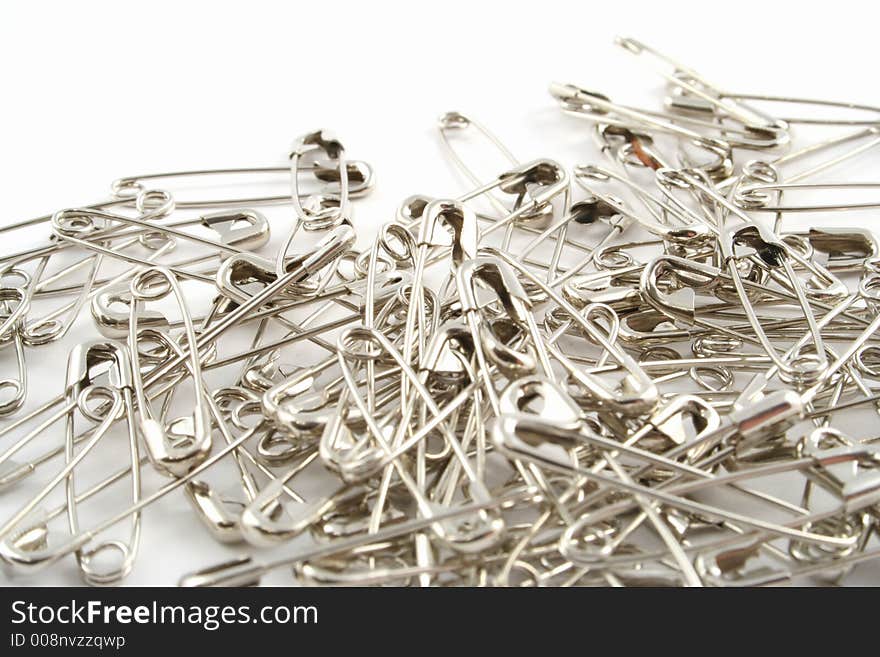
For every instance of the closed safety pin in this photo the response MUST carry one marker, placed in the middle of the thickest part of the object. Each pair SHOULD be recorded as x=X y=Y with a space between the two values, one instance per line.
x=458 y=122
x=438 y=220
x=594 y=106
x=755 y=198
x=693 y=83
x=127 y=550
x=176 y=447
x=358 y=173
x=103 y=405
x=32 y=557
x=321 y=212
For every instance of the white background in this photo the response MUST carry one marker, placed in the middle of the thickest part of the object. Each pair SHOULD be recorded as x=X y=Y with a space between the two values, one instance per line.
x=94 y=91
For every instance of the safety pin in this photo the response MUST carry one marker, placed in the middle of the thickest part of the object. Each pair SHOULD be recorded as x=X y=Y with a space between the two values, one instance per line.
x=119 y=356
x=516 y=304
x=397 y=572
x=773 y=578
x=226 y=224
x=624 y=148
x=83 y=394
x=771 y=171
x=555 y=231
x=330 y=211
x=241 y=269
x=584 y=211
x=534 y=184
x=338 y=442
x=14 y=320
x=840 y=250
x=458 y=122
x=247 y=268
x=37 y=557
x=67 y=224
x=669 y=423
x=43 y=291
x=297 y=335
x=680 y=304
x=38 y=533
x=628 y=149
x=302 y=409
x=351 y=517
x=114 y=323
x=358 y=173
x=192 y=439
x=149 y=205
x=321 y=212
x=35 y=252
x=692 y=82
x=437 y=219
x=571 y=424
x=11 y=471
x=240 y=228
x=489 y=348
x=663 y=229
x=581 y=211
x=553 y=401
x=821 y=283
x=139 y=262
x=596 y=107
x=45 y=329
x=801 y=367
x=309 y=417
x=687 y=103
x=604 y=560
x=348 y=348
x=263 y=523
x=425 y=429
x=751 y=197
x=589 y=560
x=228 y=526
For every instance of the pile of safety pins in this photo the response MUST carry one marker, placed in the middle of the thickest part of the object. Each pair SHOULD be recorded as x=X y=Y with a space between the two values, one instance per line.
x=628 y=374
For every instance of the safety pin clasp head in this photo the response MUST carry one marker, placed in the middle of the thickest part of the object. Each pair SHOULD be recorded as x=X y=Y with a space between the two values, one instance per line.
x=180 y=445
x=297 y=407
x=450 y=223
x=112 y=321
x=243 y=229
x=219 y=515
x=26 y=550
